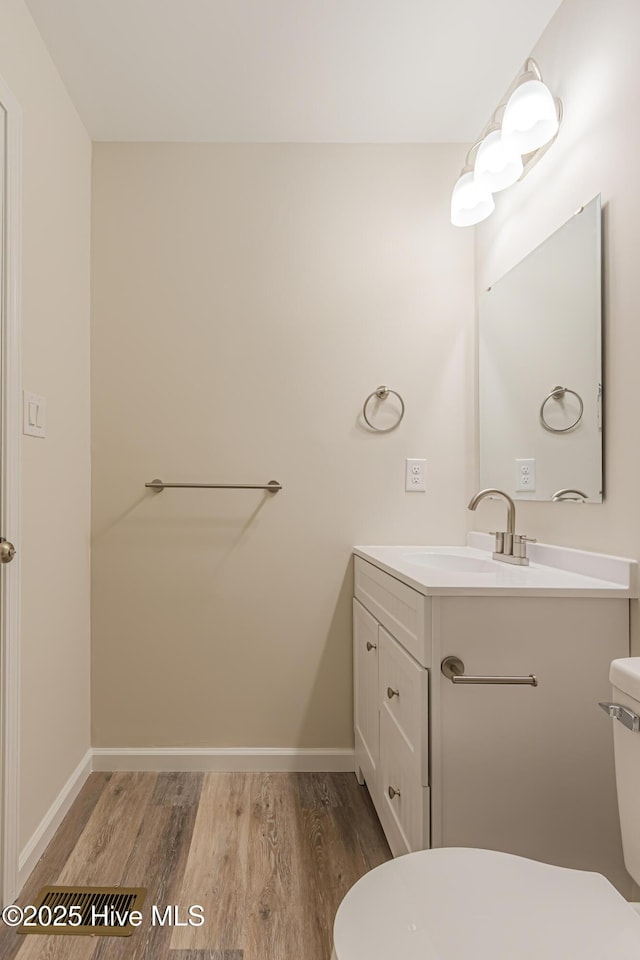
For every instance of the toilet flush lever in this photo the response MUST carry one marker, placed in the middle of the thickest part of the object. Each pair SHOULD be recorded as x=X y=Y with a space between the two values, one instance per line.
x=627 y=717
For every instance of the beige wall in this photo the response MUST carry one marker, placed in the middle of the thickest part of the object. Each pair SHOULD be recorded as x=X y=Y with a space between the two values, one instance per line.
x=246 y=299
x=54 y=549
x=588 y=56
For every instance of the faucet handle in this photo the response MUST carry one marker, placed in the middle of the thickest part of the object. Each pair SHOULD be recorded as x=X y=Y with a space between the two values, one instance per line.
x=499 y=544
x=520 y=544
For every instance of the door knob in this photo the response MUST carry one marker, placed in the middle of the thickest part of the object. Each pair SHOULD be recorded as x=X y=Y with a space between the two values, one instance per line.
x=7 y=551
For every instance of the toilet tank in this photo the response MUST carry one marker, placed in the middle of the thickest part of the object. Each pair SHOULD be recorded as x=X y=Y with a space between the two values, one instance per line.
x=625 y=678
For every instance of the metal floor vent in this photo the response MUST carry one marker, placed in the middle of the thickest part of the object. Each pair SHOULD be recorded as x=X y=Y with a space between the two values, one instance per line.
x=84 y=911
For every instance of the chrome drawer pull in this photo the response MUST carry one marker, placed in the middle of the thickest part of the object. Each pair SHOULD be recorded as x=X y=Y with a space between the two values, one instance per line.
x=371 y=646
x=627 y=717
x=391 y=693
x=453 y=669
x=393 y=793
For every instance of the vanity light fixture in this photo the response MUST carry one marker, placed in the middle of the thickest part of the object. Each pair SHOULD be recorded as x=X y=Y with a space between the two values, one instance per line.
x=530 y=117
x=519 y=132
x=498 y=164
x=471 y=202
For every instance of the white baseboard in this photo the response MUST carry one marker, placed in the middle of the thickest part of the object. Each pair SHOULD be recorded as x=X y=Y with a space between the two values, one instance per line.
x=242 y=759
x=54 y=816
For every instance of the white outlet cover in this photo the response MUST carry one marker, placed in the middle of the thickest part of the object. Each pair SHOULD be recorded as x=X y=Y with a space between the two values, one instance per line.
x=34 y=416
x=525 y=475
x=415 y=478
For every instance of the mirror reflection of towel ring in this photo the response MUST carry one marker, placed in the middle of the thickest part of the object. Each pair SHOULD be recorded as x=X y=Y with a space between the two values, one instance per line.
x=558 y=394
x=381 y=393
x=569 y=494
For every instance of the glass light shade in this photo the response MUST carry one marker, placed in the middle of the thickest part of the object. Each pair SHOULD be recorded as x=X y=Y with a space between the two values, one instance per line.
x=530 y=117
x=470 y=202
x=497 y=165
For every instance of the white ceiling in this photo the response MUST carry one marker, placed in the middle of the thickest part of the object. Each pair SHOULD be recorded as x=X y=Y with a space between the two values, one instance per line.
x=289 y=70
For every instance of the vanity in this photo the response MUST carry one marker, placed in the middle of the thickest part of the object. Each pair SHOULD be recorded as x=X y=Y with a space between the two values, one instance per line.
x=504 y=746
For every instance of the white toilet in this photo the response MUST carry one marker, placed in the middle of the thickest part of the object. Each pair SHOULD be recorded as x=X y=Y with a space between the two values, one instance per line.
x=467 y=904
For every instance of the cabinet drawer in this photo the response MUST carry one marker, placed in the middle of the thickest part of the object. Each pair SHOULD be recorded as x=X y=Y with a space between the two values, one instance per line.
x=402 y=610
x=404 y=693
x=404 y=816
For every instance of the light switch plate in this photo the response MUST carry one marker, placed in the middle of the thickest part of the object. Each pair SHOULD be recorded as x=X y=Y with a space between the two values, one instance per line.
x=34 y=417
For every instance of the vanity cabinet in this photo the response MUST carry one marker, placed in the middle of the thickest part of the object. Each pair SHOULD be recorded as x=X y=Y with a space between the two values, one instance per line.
x=391 y=732
x=366 y=643
x=391 y=698
x=519 y=768
x=404 y=768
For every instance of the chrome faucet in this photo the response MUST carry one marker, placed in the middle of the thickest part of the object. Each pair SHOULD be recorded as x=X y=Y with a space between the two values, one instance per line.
x=510 y=547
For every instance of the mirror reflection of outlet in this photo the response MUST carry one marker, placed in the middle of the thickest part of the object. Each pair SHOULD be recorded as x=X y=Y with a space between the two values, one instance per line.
x=525 y=475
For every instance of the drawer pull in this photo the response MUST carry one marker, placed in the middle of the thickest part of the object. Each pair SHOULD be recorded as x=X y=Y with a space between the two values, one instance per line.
x=391 y=693
x=453 y=669
x=371 y=646
x=393 y=793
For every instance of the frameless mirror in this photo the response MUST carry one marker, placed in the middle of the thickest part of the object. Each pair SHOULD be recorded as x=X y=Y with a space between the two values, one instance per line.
x=540 y=369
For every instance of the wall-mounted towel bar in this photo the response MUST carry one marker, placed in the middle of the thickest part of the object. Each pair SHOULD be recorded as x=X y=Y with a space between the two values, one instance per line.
x=453 y=669
x=273 y=486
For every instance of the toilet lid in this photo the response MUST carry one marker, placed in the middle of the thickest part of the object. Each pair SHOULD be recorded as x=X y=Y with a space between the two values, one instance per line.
x=458 y=904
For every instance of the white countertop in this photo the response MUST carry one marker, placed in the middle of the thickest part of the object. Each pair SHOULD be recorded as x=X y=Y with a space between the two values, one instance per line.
x=552 y=571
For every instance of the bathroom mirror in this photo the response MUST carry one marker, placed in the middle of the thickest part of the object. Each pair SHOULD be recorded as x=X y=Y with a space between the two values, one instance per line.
x=540 y=369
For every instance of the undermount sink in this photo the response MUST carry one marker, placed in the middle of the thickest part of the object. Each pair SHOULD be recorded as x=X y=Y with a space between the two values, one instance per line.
x=455 y=562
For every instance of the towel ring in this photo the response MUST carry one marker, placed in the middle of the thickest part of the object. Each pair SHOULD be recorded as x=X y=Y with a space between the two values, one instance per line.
x=381 y=393
x=562 y=496
x=557 y=394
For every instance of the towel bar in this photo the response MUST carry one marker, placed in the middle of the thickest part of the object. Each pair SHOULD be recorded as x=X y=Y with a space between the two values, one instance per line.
x=273 y=486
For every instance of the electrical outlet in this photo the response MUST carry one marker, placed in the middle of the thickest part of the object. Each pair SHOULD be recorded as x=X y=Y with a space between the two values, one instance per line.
x=525 y=476
x=415 y=476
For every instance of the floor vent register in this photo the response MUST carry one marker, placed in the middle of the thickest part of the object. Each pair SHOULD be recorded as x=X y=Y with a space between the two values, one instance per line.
x=84 y=911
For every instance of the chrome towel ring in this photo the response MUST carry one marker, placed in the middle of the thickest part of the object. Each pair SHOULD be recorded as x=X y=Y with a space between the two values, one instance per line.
x=381 y=393
x=558 y=393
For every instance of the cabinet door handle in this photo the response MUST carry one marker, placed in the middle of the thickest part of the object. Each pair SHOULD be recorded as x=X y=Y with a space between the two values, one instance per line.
x=453 y=669
x=391 y=693
x=371 y=646
x=393 y=793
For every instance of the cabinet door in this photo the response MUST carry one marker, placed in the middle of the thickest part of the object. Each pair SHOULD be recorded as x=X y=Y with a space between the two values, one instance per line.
x=404 y=694
x=365 y=668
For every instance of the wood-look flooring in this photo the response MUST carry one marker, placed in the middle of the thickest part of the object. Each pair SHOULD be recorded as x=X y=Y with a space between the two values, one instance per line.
x=268 y=856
